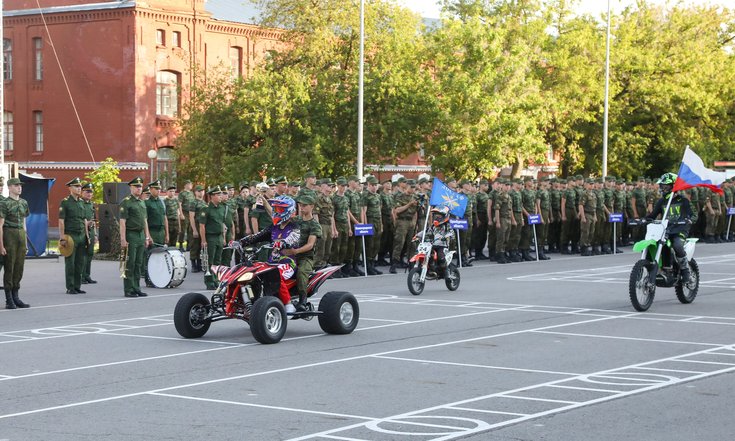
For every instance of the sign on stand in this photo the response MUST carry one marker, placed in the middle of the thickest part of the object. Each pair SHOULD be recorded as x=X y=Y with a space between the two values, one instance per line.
x=364 y=230
x=533 y=220
x=456 y=225
x=615 y=218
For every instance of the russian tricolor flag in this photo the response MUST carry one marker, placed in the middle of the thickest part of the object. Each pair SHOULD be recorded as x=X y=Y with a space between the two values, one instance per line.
x=693 y=173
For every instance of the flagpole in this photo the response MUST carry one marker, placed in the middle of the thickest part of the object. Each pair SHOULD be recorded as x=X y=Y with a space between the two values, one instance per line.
x=607 y=94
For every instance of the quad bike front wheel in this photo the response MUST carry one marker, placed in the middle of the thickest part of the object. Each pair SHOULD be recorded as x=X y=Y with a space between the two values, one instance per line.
x=686 y=292
x=340 y=312
x=640 y=288
x=268 y=320
x=190 y=315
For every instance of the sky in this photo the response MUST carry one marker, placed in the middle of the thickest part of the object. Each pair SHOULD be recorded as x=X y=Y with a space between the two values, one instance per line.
x=430 y=8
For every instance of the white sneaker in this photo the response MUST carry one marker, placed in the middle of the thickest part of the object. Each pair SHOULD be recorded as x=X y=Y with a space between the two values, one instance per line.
x=290 y=308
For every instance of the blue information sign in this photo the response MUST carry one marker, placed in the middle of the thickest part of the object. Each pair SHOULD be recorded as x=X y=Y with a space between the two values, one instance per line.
x=364 y=230
x=616 y=218
x=731 y=211
x=534 y=219
x=459 y=224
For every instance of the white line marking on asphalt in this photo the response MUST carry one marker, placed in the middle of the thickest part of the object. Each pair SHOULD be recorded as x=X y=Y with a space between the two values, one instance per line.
x=545 y=400
x=670 y=370
x=591 y=389
x=92 y=302
x=339 y=438
x=180 y=339
x=449 y=363
x=706 y=362
x=471 y=409
x=614 y=337
x=384 y=320
x=262 y=406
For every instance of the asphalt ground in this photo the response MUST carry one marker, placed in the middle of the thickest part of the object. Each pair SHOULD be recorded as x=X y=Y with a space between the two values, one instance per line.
x=530 y=351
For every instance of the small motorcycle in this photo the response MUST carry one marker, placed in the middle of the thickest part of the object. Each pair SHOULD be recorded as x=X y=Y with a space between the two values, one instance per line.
x=428 y=265
x=249 y=291
x=658 y=267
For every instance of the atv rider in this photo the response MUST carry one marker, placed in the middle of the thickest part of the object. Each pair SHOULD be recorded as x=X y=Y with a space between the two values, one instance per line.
x=680 y=215
x=293 y=240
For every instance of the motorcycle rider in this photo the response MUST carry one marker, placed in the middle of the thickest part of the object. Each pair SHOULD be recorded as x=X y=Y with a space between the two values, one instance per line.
x=440 y=234
x=680 y=211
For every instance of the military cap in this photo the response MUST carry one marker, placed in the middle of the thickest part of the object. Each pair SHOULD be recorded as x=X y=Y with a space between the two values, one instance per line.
x=295 y=184
x=88 y=186
x=527 y=179
x=641 y=179
x=410 y=182
x=305 y=199
x=423 y=180
x=76 y=182
x=199 y=188
x=270 y=182
x=371 y=180
x=14 y=181
x=484 y=181
x=579 y=178
x=620 y=181
x=589 y=181
x=187 y=181
x=147 y=190
x=309 y=174
x=155 y=184
x=243 y=184
x=228 y=186
x=327 y=181
x=401 y=179
x=562 y=181
x=136 y=181
x=281 y=180
x=449 y=180
x=545 y=179
x=215 y=190
x=171 y=187
x=342 y=181
x=353 y=178
x=464 y=181
x=254 y=183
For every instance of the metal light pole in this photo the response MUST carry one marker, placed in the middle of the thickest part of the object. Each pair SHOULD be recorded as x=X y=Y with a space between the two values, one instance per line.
x=360 y=88
x=2 y=93
x=607 y=92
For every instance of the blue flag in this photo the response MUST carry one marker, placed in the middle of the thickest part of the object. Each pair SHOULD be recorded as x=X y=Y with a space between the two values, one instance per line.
x=443 y=196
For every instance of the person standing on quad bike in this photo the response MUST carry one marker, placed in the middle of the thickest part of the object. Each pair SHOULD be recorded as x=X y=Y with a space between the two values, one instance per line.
x=293 y=240
x=680 y=219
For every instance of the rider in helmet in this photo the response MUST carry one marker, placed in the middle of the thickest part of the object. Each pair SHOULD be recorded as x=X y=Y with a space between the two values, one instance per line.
x=680 y=211
x=440 y=233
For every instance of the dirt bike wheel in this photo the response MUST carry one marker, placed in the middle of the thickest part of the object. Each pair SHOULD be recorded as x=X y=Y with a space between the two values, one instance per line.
x=640 y=290
x=340 y=312
x=451 y=279
x=415 y=285
x=687 y=292
x=268 y=320
x=189 y=315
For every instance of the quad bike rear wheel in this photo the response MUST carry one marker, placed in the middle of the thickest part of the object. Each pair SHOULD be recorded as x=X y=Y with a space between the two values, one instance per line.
x=340 y=312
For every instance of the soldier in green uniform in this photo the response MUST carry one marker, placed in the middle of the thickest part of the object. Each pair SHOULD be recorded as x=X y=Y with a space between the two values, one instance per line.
x=174 y=215
x=516 y=227
x=638 y=205
x=568 y=215
x=2 y=198
x=13 y=214
x=309 y=188
x=543 y=202
x=228 y=200
x=490 y=215
x=555 y=226
x=587 y=216
x=310 y=231
x=157 y=217
x=619 y=201
x=479 y=233
x=89 y=215
x=135 y=236
x=354 y=247
x=528 y=207
x=324 y=211
x=212 y=226
x=386 y=217
x=372 y=212
x=72 y=221
x=693 y=195
x=600 y=215
x=404 y=212
x=341 y=208
x=608 y=191
x=466 y=235
x=504 y=220
x=243 y=215
x=195 y=241
x=186 y=200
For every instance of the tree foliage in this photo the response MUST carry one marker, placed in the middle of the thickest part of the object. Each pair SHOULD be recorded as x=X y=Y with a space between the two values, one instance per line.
x=498 y=83
x=106 y=171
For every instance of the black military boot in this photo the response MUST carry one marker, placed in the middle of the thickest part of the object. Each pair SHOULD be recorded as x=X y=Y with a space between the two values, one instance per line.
x=527 y=256
x=500 y=258
x=356 y=267
x=9 y=303
x=576 y=249
x=18 y=302
x=371 y=269
x=393 y=265
x=595 y=251
x=565 y=249
x=194 y=267
x=542 y=255
x=515 y=256
x=345 y=271
x=586 y=251
x=376 y=270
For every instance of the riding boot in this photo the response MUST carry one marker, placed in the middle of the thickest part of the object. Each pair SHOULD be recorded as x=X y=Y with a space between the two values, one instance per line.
x=356 y=267
x=683 y=268
x=9 y=303
x=18 y=302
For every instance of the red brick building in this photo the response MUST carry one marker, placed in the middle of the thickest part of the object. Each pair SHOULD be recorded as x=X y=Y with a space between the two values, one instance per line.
x=86 y=81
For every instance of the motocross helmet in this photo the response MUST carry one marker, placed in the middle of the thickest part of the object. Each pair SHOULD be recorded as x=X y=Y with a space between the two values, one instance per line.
x=283 y=209
x=666 y=182
x=439 y=216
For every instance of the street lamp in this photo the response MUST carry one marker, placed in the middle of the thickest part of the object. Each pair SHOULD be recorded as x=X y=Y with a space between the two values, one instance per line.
x=152 y=154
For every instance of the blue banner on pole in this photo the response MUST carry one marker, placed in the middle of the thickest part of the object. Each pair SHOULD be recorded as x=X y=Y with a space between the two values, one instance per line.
x=615 y=218
x=364 y=230
x=731 y=211
x=534 y=219
x=459 y=224
x=443 y=196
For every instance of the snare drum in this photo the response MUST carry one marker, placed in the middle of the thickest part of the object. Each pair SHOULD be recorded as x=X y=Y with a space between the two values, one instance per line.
x=166 y=267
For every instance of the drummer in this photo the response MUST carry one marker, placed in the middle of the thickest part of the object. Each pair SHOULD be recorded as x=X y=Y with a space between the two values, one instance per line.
x=155 y=208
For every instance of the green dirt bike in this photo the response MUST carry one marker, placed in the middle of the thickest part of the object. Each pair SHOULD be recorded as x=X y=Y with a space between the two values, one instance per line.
x=658 y=266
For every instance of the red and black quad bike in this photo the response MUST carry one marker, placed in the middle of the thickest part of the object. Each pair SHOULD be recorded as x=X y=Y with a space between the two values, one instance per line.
x=249 y=291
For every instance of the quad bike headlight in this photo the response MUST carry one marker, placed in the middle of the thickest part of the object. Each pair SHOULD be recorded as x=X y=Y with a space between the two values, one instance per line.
x=245 y=277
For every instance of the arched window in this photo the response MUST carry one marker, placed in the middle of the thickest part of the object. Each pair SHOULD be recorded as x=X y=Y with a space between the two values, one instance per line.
x=7 y=59
x=167 y=93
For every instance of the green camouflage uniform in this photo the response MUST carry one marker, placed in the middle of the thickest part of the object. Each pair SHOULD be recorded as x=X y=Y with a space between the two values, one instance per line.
x=341 y=205
x=405 y=222
x=14 y=213
x=324 y=210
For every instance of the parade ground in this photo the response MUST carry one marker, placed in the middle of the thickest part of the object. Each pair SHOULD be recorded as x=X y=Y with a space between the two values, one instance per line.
x=529 y=351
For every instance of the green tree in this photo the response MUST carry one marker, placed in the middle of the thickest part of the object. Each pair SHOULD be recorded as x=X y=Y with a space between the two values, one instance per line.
x=106 y=171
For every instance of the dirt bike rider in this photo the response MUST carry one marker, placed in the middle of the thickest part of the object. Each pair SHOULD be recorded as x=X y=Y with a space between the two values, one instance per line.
x=288 y=246
x=680 y=211
x=440 y=233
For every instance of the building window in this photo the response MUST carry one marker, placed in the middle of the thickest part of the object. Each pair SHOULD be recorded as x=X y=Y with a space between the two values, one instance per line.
x=176 y=39
x=167 y=93
x=37 y=59
x=8 y=130
x=7 y=59
x=38 y=130
x=236 y=62
x=160 y=37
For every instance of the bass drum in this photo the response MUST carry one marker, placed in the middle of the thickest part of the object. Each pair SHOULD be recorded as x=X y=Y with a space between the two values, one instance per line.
x=166 y=267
